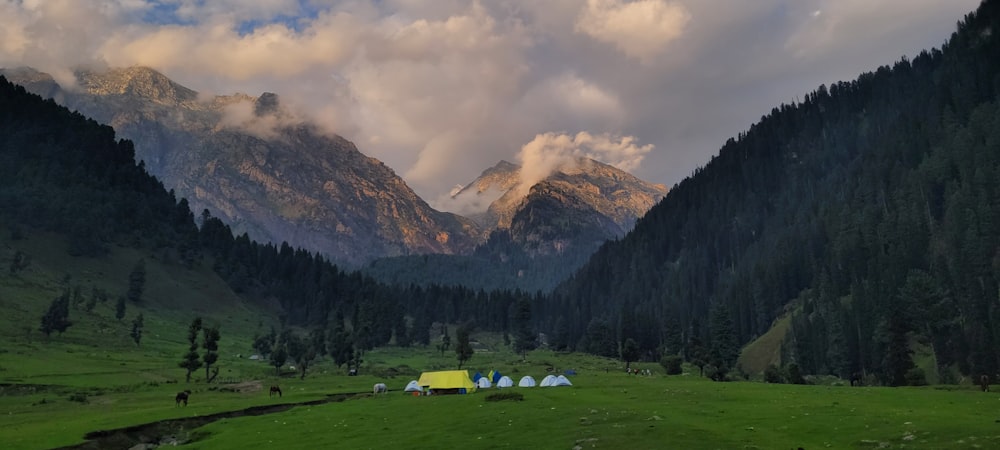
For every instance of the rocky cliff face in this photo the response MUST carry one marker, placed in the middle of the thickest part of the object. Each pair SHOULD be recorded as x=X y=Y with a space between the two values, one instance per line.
x=248 y=162
x=584 y=203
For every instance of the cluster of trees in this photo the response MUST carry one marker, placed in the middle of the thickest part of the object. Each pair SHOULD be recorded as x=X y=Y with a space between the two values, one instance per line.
x=869 y=212
x=193 y=360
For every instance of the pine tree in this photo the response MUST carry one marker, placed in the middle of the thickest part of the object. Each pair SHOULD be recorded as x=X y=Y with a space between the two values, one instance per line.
x=136 y=332
x=137 y=282
x=525 y=340
x=57 y=316
x=463 y=348
x=210 y=342
x=192 y=361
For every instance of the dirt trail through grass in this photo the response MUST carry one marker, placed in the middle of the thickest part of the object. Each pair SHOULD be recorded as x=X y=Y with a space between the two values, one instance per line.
x=184 y=430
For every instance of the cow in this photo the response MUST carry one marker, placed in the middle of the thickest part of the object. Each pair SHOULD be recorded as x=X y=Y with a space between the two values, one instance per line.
x=275 y=389
x=984 y=382
x=379 y=388
x=182 y=397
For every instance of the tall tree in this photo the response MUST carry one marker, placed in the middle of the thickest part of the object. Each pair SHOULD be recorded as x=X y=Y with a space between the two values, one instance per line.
x=210 y=342
x=525 y=340
x=723 y=349
x=57 y=316
x=192 y=361
x=463 y=348
x=137 y=282
x=629 y=352
x=136 y=332
x=120 y=308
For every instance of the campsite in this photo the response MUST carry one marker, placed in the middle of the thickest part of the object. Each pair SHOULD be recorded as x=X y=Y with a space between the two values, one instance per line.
x=604 y=408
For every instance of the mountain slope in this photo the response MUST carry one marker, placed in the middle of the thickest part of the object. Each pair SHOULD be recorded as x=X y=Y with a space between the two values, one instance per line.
x=266 y=173
x=871 y=207
x=535 y=240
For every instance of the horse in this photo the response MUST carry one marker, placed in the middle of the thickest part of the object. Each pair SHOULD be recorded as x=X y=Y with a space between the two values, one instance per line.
x=182 y=397
x=380 y=388
x=275 y=390
x=984 y=382
x=856 y=379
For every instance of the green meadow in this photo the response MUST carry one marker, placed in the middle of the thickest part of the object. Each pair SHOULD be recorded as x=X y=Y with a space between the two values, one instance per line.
x=56 y=390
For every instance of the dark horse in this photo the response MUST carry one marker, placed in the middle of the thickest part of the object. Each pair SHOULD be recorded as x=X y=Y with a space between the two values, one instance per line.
x=984 y=382
x=182 y=397
x=856 y=379
x=275 y=390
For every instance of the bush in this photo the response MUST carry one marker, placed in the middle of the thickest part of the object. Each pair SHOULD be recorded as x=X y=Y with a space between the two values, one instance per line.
x=795 y=374
x=773 y=375
x=505 y=395
x=916 y=377
x=672 y=364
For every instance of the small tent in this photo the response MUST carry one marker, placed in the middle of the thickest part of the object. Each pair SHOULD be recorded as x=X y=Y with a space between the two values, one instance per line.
x=413 y=386
x=561 y=380
x=549 y=380
x=447 y=382
x=483 y=383
x=526 y=381
x=476 y=377
x=505 y=381
x=495 y=376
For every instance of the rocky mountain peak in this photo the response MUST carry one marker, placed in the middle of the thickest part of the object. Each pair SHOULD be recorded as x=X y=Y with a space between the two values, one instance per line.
x=136 y=81
x=266 y=104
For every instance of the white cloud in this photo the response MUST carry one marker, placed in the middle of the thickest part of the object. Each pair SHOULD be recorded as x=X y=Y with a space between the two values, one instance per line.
x=641 y=29
x=551 y=152
x=441 y=89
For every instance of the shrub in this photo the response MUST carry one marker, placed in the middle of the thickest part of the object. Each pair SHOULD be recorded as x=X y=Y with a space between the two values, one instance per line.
x=794 y=374
x=79 y=397
x=505 y=395
x=916 y=377
x=672 y=364
x=773 y=375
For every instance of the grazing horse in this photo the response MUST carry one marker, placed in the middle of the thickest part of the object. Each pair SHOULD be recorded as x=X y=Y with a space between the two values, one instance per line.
x=856 y=379
x=380 y=388
x=182 y=397
x=984 y=382
x=275 y=390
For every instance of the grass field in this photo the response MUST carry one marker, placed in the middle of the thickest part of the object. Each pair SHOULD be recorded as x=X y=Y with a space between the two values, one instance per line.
x=55 y=391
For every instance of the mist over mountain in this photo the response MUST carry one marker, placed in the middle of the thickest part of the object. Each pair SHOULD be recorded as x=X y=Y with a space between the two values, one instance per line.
x=260 y=168
x=534 y=240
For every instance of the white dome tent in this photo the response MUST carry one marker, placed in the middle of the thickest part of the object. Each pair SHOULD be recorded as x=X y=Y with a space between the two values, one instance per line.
x=505 y=381
x=526 y=381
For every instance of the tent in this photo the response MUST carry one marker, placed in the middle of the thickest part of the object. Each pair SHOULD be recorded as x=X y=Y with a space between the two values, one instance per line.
x=476 y=377
x=526 y=381
x=483 y=383
x=495 y=376
x=552 y=380
x=447 y=382
x=413 y=386
x=505 y=381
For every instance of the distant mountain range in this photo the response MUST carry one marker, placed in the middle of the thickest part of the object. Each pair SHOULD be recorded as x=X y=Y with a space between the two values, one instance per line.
x=250 y=162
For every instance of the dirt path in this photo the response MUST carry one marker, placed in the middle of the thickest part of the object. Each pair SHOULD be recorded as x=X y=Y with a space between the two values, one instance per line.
x=180 y=431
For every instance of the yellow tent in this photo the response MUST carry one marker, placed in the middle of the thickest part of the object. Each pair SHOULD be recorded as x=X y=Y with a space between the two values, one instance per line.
x=453 y=381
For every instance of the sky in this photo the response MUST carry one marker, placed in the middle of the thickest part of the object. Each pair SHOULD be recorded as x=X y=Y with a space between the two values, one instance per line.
x=440 y=90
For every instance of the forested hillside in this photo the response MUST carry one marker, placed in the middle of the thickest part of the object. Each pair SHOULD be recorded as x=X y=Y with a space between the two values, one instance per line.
x=870 y=212
x=67 y=175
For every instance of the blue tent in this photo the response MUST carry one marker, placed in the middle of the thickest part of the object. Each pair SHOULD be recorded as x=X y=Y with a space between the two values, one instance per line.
x=476 y=377
x=495 y=376
x=570 y=372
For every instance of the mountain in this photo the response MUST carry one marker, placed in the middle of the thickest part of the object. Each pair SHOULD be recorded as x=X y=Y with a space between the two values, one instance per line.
x=538 y=238
x=250 y=162
x=605 y=200
x=868 y=216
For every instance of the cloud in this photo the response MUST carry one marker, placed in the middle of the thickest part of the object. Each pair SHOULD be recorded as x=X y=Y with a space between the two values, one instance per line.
x=441 y=89
x=641 y=29
x=551 y=152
